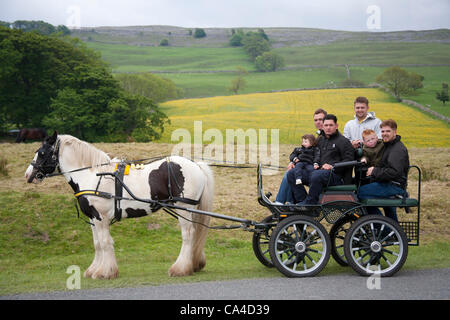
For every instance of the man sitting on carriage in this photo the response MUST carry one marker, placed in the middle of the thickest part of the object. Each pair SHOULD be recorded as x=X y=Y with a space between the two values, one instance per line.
x=390 y=175
x=334 y=148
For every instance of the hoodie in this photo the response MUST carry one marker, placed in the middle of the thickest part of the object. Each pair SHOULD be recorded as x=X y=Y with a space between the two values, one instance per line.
x=353 y=129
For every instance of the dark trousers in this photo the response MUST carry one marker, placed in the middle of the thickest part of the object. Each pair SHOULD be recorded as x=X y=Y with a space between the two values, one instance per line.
x=381 y=190
x=319 y=179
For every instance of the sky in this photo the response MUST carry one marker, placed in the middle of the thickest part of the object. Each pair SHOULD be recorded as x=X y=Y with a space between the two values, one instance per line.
x=349 y=15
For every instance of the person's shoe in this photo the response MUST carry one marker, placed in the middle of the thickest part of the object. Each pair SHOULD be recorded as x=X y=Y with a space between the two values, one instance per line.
x=278 y=203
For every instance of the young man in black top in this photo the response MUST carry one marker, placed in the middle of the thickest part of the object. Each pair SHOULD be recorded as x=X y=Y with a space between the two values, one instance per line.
x=334 y=148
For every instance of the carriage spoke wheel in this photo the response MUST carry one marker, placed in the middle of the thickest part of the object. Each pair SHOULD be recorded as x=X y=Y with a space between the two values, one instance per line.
x=299 y=247
x=337 y=236
x=261 y=243
x=376 y=245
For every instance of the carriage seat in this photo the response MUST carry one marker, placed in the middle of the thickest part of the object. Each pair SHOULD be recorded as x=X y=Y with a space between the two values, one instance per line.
x=390 y=202
x=342 y=187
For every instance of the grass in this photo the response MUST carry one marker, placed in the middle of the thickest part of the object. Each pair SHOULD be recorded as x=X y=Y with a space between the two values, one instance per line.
x=204 y=66
x=291 y=113
x=367 y=53
x=126 y=58
x=41 y=237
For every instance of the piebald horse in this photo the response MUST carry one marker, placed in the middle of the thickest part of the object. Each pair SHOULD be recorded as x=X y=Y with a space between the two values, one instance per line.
x=192 y=180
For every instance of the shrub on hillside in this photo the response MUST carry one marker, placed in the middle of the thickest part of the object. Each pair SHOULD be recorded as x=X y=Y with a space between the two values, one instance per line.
x=149 y=85
x=199 y=33
x=269 y=61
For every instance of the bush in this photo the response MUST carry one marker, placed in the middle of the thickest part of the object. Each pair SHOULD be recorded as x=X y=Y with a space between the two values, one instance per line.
x=199 y=33
x=236 y=40
x=269 y=61
x=149 y=85
x=164 y=43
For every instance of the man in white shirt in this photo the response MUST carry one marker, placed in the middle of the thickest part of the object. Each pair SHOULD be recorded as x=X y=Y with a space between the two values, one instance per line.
x=363 y=120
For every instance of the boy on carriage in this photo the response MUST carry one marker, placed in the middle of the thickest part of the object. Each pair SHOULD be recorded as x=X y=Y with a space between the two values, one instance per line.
x=306 y=159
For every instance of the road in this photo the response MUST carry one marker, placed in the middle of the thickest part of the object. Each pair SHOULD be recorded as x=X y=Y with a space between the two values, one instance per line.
x=408 y=284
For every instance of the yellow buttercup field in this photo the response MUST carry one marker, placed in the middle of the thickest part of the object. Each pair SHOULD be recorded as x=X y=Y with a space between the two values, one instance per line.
x=291 y=112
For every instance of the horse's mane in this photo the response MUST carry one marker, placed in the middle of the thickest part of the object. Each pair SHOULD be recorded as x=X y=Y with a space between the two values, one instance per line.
x=89 y=156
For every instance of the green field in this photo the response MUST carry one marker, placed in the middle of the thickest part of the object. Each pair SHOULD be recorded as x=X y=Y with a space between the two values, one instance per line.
x=198 y=71
x=126 y=58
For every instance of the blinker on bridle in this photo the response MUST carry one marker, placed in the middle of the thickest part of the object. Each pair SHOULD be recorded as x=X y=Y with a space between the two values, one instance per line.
x=49 y=163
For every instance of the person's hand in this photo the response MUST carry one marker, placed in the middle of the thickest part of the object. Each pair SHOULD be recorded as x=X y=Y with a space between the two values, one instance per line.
x=327 y=166
x=364 y=160
x=290 y=166
x=369 y=171
x=356 y=143
x=316 y=166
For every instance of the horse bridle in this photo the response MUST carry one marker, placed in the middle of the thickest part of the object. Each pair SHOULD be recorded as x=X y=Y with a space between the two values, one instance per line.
x=50 y=162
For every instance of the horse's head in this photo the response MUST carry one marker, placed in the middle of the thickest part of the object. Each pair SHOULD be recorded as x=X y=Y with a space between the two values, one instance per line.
x=45 y=160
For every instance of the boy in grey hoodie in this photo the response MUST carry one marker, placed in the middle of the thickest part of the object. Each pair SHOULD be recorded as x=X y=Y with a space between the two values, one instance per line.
x=363 y=120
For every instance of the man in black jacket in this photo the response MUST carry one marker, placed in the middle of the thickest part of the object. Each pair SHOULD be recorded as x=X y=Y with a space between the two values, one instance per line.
x=391 y=173
x=334 y=148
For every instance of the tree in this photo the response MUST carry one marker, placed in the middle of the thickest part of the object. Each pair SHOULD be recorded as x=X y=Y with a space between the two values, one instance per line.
x=239 y=82
x=59 y=83
x=397 y=80
x=199 y=33
x=415 y=81
x=255 y=44
x=164 y=43
x=269 y=61
x=443 y=94
x=154 y=87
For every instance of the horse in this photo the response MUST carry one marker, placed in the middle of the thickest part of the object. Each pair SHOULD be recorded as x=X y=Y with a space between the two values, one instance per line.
x=31 y=134
x=79 y=162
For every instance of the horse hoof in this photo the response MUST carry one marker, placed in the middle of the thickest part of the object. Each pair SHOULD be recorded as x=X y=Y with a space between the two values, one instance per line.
x=176 y=271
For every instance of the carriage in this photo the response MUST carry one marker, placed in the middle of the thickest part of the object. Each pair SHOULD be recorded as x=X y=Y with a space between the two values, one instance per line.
x=291 y=238
x=298 y=245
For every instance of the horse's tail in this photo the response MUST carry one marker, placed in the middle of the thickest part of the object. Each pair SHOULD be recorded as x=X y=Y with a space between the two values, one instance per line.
x=206 y=200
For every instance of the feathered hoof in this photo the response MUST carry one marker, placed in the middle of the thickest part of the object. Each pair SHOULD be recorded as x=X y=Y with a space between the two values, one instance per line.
x=111 y=273
x=200 y=265
x=177 y=271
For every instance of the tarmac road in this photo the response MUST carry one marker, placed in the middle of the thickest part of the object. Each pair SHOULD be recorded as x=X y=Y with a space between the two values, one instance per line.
x=408 y=284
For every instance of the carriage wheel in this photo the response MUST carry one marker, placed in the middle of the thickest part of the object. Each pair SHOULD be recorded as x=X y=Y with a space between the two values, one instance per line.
x=376 y=245
x=337 y=236
x=299 y=247
x=261 y=243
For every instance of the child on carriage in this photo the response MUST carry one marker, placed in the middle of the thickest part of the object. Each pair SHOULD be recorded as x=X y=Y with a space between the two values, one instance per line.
x=306 y=159
x=373 y=148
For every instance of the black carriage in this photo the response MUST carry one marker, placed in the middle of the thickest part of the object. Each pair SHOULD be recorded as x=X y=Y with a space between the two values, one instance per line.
x=298 y=245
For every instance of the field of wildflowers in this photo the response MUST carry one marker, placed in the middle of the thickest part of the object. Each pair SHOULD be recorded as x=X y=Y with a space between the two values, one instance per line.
x=291 y=112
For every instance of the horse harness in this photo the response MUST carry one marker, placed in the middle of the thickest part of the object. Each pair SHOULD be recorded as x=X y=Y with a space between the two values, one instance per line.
x=122 y=169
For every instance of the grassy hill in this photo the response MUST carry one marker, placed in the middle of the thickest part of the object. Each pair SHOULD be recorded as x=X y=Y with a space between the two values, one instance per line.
x=314 y=58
